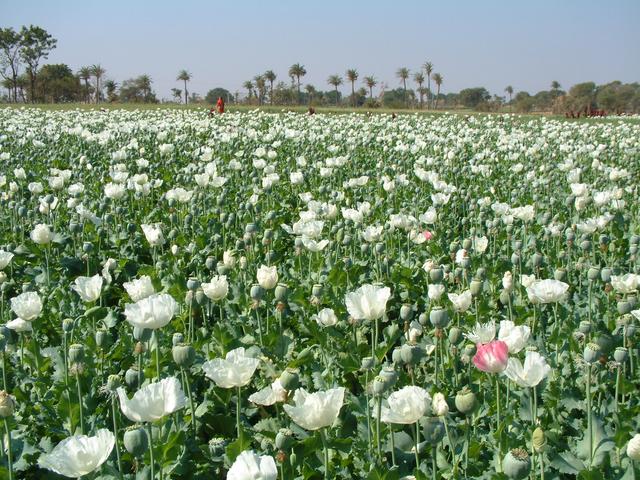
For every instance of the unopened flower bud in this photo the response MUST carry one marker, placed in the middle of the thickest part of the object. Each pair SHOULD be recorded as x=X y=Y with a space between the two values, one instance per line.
x=466 y=401
x=7 y=405
x=539 y=440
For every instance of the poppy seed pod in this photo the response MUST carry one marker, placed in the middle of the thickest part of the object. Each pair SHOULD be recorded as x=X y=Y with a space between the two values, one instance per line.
x=76 y=353
x=67 y=325
x=290 y=379
x=436 y=275
x=142 y=334
x=217 y=446
x=467 y=244
x=257 y=292
x=396 y=356
x=621 y=354
x=103 y=339
x=515 y=259
x=113 y=382
x=284 y=439
x=466 y=401
x=366 y=365
x=379 y=248
x=517 y=464
x=193 y=283
x=131 y=378
x=184 y=355
x=560 y=274
x=136 y=441
x=455 y=334
x=406 y=312
x=411 y=354
x=475 y=287
x=378 y=386
x=439 y=317
x=536 y=259
x=7 y=405
x=389 y=376
x=316 y=290
x=281 y=292
x=624 y=307
x=584 y=327
x=591 y=353
x=433 y=430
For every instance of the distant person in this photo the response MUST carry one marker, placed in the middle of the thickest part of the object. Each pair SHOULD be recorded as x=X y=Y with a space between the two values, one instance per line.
x=220 y=105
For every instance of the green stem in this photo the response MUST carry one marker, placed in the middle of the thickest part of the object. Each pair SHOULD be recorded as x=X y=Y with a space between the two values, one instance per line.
x=157 y=335
x=366 y=397
x=152 y=465
x=193 y=411
x=378 y=415
x=416 y=447
x=393 y=446
x=498 y=424
x=434 y=468
x=453 y=450
x=238 y=430
x=80 y=402
x=115 y=432
x=9 y=452
x=326 y=453
x=589 y=423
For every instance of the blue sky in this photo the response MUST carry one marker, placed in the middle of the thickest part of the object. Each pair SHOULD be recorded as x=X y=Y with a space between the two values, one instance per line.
x=489 y=43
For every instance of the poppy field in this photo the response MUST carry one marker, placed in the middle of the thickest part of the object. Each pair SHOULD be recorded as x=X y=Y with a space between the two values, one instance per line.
x=284 y=296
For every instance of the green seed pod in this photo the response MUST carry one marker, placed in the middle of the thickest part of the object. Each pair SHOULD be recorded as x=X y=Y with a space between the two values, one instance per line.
x=67 y=325
x=593 y=274
x=217 y=446
x=184 y=355
x=367 y=364
x=113 y=382
x=515 y=259
x=193 y=283
x=436 y=275
x=539 y=440
x=621 y=354
x=475 y=287
x=411 y=354
x=378 y=386
x=103 y=339
x=177 y=339
x=560 y=274
x=433 y=430
x=605 y=275
x=467 y=244
x=379 y=248
x=439 y=317
x=406 y=312
x=131 y=378
x=284 y=439
x=142 y=334
x=591 y=353
x=281 y=292
x=257 y=292
x=466 y=401
x=517 y=464
x=396 y=356
x=136 y=441
x=455 y=334
x=316 y=290
x=584 y=327
x=389 y=376
x=290 y=379
x=76 y=353
x=624 y=307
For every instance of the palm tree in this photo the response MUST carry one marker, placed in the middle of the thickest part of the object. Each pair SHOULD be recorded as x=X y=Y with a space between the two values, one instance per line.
x=555 y=88
x=311 y=91
x=261 y=87
x=509 y=90
x=177 y=94
x=352 y=76
x=184 y=76
x=85 y=74
x=370 y=82
x=249 y=86
x=418 y=77
x=144 y=83
x=296 y=70
x=336 y=81
x=270 y=77
x=428 y=69
x=111 y=87
x=98 y=72
x=403 y=74
x=437 y=78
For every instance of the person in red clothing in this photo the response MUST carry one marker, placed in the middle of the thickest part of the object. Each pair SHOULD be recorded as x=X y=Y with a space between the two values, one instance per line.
x=220 y=105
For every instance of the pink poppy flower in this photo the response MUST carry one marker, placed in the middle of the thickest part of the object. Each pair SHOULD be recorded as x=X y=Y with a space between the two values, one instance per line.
x=492 y=357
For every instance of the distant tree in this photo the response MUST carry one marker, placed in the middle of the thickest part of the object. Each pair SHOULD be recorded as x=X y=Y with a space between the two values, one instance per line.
x=283 y=94
x=509 y=90
x=184 y=76
x=524 y=102
x=370 y=82
x=437 y=78
x=397 y=98
x=218 y=92
x=85 y=75
x=472 y=97
x=336 y=81
x=10 y=46
x=311 y=91
x=98 y=72
x=270 y=77
x=37 y=43
x=248 y=85
x=177 y=94
x=111 y=86
x=403 y=73
x=296 y=70
x=428 y=69
x=261 y=87
x=418 y=77
x=352 y=76
x=138 y=90
x=581 y=97
x=57 y=83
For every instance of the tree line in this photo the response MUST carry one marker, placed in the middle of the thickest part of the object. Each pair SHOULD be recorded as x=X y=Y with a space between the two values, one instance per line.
x=26 y=80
